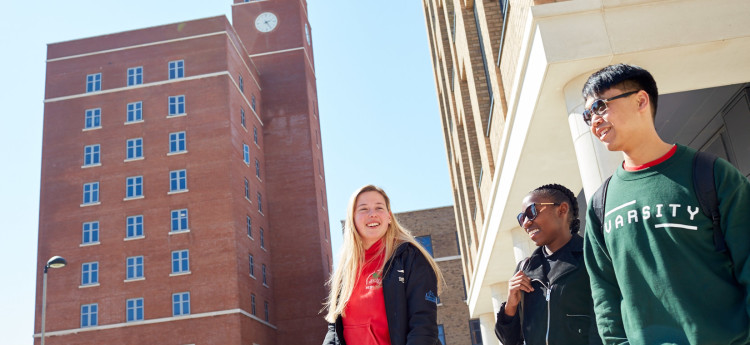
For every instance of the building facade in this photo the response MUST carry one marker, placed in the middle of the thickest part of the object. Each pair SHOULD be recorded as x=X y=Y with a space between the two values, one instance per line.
x=182 y=179
x=435 y=229
x=508 y=76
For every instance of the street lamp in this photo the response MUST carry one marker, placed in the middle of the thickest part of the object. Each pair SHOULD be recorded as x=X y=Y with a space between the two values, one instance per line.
x=53 y=262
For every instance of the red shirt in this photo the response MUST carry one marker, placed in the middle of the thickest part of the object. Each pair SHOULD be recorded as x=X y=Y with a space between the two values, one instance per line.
x=651 y=163
x=364 y=319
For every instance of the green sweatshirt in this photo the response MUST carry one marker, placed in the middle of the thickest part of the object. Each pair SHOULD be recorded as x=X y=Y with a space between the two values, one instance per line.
x=656 y=277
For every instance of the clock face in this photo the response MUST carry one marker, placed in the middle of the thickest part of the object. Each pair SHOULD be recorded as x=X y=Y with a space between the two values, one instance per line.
x=266 y=22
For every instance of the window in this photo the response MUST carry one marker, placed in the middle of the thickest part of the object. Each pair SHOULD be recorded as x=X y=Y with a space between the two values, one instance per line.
x=249 y=225
x=180 y=261
x=252 y=303
x=177 y=142
x=458 y=245
x=94 y=82
x=180 y=220
x=181 y=304
x=247 y=190
x=246 y=154
x=262 y=239
x=242 y=84
x=242 y=117
x=257 y=168
x=252 y=265
x=134 y=148
x=134 y=308
x=475 y=331
x=134 y=187
x=90 y=232
x=426 y=242
x=263 y=268
x=176 y=69
x=135 y=112
x=90 y=273
x=134 y=267
x=255 y=135
x=252 y=102
x=260 y=204
x=178 y=180
x=89 y=314
x=176 y=105
x=134 y=226
x=441 y=334
x=135 y=76
x=94 y=118
x=90 y=193
x=91 y=155
x=265 y=308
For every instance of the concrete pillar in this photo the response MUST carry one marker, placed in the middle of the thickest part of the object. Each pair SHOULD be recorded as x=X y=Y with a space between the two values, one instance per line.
x=487 y=324
x=499 y=292
x=595 y=162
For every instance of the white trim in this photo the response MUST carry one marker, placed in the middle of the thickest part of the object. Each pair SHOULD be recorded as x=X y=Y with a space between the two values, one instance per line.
x=176 y=153
x=177 y=191
x=178 y=232
x=133 y=280
x=448 y=258
x=91 y=165
x=619 y=207
x=89 y=244
x=134 y=238
x=277 y=52
x=673 y=225
x=176 y=115
x=91 y=204
x=134 y=122
x=134 y=197
x=153 y=321
x=86 y=129
x=180 y=274
x=88 y=285
x=134 y=159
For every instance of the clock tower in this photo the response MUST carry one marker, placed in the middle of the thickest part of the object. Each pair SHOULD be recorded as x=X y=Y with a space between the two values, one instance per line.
x=277 y=37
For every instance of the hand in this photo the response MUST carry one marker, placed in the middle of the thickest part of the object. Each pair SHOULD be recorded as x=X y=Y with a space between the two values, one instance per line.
x=519 y=282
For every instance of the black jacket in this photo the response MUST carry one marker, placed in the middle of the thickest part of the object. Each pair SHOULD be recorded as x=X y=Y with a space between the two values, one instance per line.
x=567 y=317
x=409 y=290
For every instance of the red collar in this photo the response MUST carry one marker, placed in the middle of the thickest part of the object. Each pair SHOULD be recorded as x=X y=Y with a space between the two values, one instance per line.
x=651 y=163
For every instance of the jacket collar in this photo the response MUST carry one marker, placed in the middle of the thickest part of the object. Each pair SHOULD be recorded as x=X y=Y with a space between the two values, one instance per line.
x=566 y=261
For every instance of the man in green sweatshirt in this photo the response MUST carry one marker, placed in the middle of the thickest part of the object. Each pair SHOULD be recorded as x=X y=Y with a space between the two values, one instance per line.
x=656 y=277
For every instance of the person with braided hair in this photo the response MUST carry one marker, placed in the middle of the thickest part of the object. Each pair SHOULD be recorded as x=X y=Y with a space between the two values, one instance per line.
x=549 y=297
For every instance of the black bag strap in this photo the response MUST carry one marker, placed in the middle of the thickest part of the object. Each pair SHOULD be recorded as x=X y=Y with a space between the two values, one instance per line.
x=599 y=200
x=703 y=181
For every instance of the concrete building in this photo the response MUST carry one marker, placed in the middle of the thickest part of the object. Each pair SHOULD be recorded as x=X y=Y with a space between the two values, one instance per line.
x=182 y=180
x=435 y=229
x=509 y=74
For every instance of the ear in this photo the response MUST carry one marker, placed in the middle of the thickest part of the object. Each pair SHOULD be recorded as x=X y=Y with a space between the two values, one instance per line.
x=644 y=101
x=563 y=209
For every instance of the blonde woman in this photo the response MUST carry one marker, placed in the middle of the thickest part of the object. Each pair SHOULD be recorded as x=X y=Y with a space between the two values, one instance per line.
x=384 y=290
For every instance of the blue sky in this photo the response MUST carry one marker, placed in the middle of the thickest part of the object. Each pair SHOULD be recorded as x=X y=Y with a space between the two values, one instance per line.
x=378 y=110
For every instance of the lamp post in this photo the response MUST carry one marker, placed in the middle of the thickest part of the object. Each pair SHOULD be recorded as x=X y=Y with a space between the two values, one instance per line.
x=53 y=262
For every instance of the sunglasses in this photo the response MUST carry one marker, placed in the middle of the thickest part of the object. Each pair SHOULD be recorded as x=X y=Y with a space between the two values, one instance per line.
x=531 y=212
x=599 y=107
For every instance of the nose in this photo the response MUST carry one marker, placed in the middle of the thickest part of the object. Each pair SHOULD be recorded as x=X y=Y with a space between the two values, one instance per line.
x=596 y=120
x=526 y=223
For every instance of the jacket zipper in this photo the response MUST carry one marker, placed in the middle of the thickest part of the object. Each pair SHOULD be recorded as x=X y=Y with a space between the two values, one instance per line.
x=547 y=293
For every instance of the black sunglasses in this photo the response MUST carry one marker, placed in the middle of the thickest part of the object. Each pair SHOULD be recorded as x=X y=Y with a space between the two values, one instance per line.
x=600 y=106
x=531 y=212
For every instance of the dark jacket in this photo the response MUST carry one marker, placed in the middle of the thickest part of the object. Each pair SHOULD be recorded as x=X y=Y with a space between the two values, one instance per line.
x=409 y=290
x=560 y=308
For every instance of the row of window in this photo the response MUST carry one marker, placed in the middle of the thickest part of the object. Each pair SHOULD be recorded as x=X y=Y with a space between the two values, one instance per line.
x=134 y=187
x=134 y=309
x=134 y=112
x=135 y=75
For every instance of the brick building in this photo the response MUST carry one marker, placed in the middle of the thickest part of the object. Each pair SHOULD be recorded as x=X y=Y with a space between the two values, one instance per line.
x=435 y=229
x=182 y=180
x=508 y=75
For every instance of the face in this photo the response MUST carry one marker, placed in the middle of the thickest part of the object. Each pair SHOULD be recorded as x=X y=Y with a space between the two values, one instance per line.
x=549 y=224
x=371 y=217
x=619 y=125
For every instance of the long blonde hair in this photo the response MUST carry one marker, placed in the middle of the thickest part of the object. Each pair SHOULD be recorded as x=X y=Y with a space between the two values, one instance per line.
x=352 y=255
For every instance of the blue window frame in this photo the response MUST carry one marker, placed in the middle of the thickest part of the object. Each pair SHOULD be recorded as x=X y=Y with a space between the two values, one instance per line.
x=94 y=82
x=178 y=180
x=242 y=83
x=91 y=155
x=135 y=76
x=90 y=232
x=263 y=269
x=176 y=69
x=89 y=315
x=134 y=267
x=93 y=118
x=265 y=308
x=242 y=117
x=134 y=226
x=426 y=242
x=134 y=307
x=134 y=187
x=177 y=142
x=260 y=203
x=257 y=168
x=252 y=102
x=180 y=261
x=252 y=303
x=246 y=154
x=134 y=148
x=475 y=331
x=255 y=135
x=249 y=226
x=135 y=112
x=180 y=220
x=91 y=193
x=252 y=265
x=90 y=273
x=176 y=105
x=441 y=334
x=181 y=304
x=262 y=239
x=247 y=190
